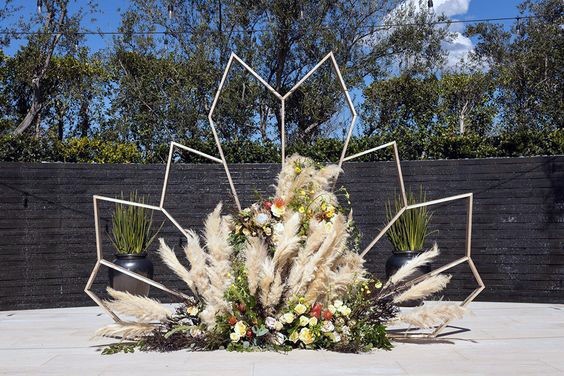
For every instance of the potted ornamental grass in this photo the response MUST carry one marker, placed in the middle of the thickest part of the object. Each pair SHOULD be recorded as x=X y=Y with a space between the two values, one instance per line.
x=132 y=234
x=408 y=233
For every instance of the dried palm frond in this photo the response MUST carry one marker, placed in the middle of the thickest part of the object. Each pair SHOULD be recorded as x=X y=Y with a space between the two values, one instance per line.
x=143 y=308
x=126 y=330
x=330 y=247
x=275 y=293
x=423 y=289
x=169 y=258
x=289 y=242
x=429 y=316
x=267 y=276
x=255 y=254
x=317 y=234
x=325 y=176
x=411 y=266
x=198 y=262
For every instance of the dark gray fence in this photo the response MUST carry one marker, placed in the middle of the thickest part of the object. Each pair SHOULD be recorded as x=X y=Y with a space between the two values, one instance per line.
x=47 y=230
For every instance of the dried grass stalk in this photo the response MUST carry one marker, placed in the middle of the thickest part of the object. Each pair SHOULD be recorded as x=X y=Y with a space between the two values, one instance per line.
x=198 y=262
x=126 y=330
x=142 y=308
x=423 y=289
x=255 y=255
x=289 y=242
x=429 y=316
x=169 y=258
x=411 y=266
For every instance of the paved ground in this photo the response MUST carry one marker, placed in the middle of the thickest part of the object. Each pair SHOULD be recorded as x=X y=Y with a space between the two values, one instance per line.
x=497 y=339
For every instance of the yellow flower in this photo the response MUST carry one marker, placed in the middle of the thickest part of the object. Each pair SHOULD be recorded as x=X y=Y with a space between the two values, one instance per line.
x=300 y=308
x=240 y=328
x=192 y=311
x=288 y=317
x=304 y=321
x=378 y=284
x=330 y=211
x=234 y=337
x=294 y=336
x=323 y=206
x=301 y=209
x=302 y=192
x=298 y=169
x=346 y=311
x=313 y=321
x=306 y=336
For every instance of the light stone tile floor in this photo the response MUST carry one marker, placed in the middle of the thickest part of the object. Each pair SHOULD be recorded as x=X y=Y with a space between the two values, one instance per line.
x=495 y=339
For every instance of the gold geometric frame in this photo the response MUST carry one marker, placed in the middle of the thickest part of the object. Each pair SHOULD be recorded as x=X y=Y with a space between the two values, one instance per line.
x=101 y=261
x=100 y=257
x=282 y=99
x=466 y=258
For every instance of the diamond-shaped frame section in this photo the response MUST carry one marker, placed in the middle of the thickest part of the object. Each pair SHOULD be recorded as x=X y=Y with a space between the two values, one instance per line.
x=282 y=99
x=466 y=258
x=394 y=146
x=331 y=57
x=101 y=261
x=173 y=146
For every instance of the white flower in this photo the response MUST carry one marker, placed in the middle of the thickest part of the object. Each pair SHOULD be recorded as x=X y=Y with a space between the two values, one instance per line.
x=332 y=308
x=192 y=311
x=346 y=331
x=300 y=308
x=313 y=321
x=336 y=337
x=278 y=339
x=195 y=332
x=278 y=228
x=346 y=311
x=306 y=336
x=234 y=337
x=288 y=317
x=278 y=207
x=261 y=219
x=295 y=336
x=270 y=322
x=304 y=321
x=338 y=303
x=240 y=328
x=278 y=326
x=327 y=326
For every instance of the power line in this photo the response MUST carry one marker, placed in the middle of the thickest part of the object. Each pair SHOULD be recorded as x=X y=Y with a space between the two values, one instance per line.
x=164 y=32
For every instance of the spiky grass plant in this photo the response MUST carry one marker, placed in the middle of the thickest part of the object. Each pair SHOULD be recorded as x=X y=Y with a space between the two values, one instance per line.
x=410 y=230
x=132 y=227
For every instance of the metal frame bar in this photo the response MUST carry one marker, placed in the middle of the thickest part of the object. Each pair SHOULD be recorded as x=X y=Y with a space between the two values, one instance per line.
x=101 y=261
x=466 y=258
x=329 y=57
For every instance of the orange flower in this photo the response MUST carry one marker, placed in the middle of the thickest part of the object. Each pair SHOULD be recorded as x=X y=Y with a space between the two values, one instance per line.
x=278 y=207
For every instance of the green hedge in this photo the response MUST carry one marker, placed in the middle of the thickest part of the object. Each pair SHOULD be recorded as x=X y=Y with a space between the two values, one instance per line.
x=412 y=145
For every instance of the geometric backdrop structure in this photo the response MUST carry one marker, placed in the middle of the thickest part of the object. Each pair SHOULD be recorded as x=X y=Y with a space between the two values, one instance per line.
x=161 y=207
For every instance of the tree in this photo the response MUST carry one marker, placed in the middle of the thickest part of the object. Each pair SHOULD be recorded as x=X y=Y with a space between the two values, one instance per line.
x=281 y=40
x=526 y=64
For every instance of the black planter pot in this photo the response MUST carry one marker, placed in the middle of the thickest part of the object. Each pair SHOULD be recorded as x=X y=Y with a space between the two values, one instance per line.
x=139 y=264
x=399 y=259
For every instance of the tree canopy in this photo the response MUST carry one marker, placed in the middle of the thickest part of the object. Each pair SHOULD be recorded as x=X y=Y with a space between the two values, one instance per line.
x=149 y=88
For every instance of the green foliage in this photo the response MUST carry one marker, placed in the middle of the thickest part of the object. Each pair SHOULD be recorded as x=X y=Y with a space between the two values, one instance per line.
x=131 y=227
x=125 y=347
x=412 y=146
x=409 y=231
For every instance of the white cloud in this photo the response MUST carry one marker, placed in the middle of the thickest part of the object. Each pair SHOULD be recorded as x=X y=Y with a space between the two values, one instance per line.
x=451 y=7
x=460 y=47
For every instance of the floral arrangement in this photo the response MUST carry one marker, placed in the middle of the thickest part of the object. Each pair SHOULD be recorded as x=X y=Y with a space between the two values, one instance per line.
x=284 y=273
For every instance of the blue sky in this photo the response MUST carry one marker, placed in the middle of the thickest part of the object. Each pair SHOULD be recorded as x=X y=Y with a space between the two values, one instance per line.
x=109 y=17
